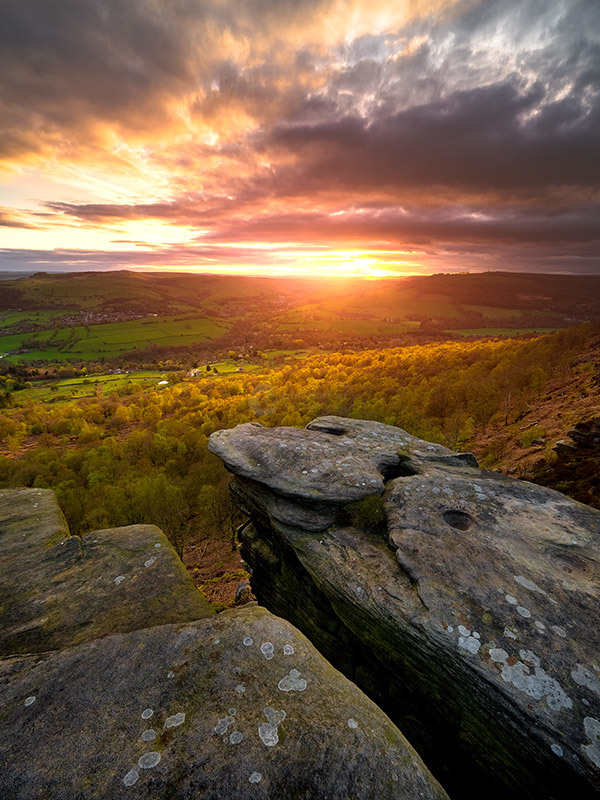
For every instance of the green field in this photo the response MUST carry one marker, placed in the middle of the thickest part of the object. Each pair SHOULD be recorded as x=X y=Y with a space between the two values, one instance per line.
x=93 y=341
x=91 y=385
x=111 y=314
x=8 y=318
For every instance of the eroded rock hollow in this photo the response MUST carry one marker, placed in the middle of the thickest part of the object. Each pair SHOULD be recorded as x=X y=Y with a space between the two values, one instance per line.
x=464 y=603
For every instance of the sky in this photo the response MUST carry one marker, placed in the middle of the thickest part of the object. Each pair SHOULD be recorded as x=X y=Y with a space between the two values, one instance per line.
x=320 y=137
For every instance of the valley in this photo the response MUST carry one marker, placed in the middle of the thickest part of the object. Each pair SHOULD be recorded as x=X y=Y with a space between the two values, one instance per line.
x=121 y=437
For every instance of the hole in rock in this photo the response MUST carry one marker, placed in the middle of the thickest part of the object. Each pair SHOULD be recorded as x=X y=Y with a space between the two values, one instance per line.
x=399 y=468
x=459 y=520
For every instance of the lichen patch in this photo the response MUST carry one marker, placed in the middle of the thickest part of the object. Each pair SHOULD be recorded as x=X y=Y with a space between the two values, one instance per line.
x=537 y=684
x=131 y=777
x=528 y=584
x=149 y=760
x=222 y=725
x=175 y=720
x=592 y=731
x=267 y=731
x=268 y=650
x=292 y=682
x=584 y=677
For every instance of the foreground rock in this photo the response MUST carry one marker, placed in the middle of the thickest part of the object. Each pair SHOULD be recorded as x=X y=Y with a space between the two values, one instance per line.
x=239 y=705
x=58 y=590
x=464 y=602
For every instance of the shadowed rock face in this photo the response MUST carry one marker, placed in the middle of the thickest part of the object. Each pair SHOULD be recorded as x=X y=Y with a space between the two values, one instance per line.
x=239 y=705
x=468 y=611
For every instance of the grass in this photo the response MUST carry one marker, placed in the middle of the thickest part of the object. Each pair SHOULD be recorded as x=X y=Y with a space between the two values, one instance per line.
x=8 y=318
x=109 y=339
x=90 y=386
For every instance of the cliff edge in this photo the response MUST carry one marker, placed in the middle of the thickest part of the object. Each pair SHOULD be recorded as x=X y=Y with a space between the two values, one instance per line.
x=465 y=603
x=118 y=680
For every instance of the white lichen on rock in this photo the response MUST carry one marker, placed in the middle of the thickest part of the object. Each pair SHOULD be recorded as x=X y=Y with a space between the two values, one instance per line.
x=538 y=684
x=584 y=677
x=592 y=731
x=267 y=731
x=223 y=724
x=131 y=777
x=175 y=720
x=267 y=649
x=149 y=760
x=528 y=584
x=468 y=640
x=292 y=682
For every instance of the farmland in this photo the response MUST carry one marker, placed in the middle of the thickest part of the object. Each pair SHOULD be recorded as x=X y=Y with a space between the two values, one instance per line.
x=94 y=341
x=119 y=318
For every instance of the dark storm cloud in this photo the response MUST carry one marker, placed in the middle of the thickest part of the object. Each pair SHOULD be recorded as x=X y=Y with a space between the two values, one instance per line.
x=547 y=228
x=495 y=139
x=462 y=131
x=67 y=66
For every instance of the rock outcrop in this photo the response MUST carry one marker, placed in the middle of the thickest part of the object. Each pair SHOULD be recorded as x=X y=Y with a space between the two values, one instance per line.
x=121 y=681
x=463 y=602
x=58 y=590
x=576 y=468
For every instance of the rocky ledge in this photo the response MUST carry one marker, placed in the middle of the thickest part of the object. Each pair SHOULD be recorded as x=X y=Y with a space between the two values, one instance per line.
x=118 y=680
x=463 y=602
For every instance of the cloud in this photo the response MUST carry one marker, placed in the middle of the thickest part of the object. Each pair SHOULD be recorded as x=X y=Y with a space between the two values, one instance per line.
x=12 y=219
x=453 y=126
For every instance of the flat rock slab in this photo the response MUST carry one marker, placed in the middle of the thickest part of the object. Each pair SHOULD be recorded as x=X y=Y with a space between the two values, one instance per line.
x=58 y=590
x=328 y=461
x=480 y=594
x=236 y=706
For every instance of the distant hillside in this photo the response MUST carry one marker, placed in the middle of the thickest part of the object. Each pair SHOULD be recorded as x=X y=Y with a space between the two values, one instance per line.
x=85 y=316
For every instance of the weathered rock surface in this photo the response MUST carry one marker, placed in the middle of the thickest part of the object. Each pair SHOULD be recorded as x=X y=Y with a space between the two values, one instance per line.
x=58 y=590
x=468 y=611
x=242 y=706
x=239 y=705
